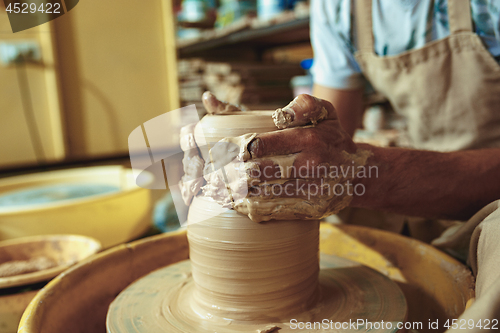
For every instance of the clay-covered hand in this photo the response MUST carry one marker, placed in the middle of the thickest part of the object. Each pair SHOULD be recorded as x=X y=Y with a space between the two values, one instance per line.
x=191 y=182
x=307 y=169
x=215 y=106
x=193 y=164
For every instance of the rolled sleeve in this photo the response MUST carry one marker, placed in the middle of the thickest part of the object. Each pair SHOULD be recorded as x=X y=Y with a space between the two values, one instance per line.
x=334 y=62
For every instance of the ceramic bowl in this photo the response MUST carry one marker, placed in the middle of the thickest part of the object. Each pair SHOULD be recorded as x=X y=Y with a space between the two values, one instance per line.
x=119 y=215
x=17 y=291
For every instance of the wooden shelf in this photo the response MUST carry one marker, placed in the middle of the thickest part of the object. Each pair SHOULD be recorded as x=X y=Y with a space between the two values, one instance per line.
x=288 y=29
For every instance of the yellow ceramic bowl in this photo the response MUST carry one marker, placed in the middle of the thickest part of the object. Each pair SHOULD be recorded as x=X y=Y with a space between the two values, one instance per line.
x=17 y=291
x=435 y=285
x=111 y=218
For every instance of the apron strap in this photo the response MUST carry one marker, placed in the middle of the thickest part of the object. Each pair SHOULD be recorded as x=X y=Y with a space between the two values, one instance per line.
x=363 y=18
x=459 y=16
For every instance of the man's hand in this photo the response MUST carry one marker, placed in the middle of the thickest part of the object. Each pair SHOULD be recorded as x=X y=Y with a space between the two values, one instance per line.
x=306 y=170
x=349 y=105
x=312 y=134
x=290 y=171
x=215 y=106
x=193 y=164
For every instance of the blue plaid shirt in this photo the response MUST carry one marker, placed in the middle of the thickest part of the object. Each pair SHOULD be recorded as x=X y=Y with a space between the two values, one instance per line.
x=398 y=26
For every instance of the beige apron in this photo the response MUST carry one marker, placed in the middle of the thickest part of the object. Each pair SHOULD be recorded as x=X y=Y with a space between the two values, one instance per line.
x=448 y=90
x=481 y=232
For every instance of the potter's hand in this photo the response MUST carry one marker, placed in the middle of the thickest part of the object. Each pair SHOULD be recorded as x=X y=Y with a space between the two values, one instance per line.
x=190 y=184
x=215 y=106
x=193 y=164
x=306 y=170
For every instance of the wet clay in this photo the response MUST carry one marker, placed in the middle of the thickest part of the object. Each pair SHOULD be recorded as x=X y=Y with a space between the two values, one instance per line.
x=191 y=182
x=286 y=117
x=254 y=277
x=325 y=202
x=163 y=302
x=248 y=270
x=198 y=139
x=245 y=276
x=213 y=128
x=348 y=292
x=227 y=137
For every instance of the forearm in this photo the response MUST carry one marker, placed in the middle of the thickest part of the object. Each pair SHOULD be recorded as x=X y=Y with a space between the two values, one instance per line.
x=431 y=184
x=349 y=105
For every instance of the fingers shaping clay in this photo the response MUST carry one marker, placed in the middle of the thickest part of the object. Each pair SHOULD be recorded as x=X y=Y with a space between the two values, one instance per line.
x=190 y=184
x=303 y=110
x=214 y=106
x=317 y=199
x=230 y=185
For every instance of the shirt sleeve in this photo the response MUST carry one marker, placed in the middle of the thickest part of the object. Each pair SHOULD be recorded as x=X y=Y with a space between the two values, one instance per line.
x=334 y=63
x=486 y=16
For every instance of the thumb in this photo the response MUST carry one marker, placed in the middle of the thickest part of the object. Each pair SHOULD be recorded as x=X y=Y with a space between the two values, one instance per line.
x=215 y=106
x=303 y=110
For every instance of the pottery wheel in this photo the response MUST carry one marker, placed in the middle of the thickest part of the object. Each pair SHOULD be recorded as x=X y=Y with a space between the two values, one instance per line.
x=349 y=292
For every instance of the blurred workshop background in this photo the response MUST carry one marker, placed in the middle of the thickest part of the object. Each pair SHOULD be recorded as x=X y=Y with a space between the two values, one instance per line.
x=96 y=73
x=72 y=91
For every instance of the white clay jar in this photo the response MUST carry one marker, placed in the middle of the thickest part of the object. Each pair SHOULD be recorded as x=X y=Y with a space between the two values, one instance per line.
x=243 y=270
